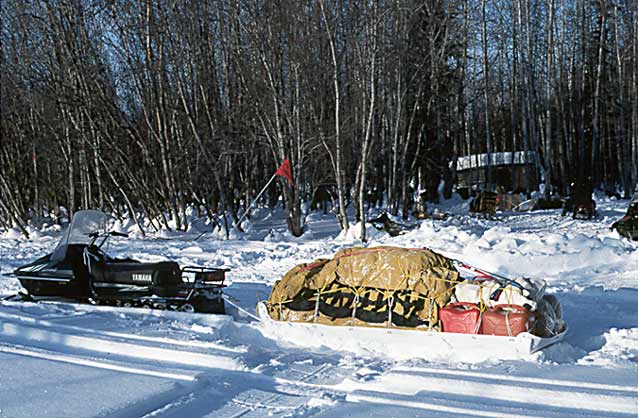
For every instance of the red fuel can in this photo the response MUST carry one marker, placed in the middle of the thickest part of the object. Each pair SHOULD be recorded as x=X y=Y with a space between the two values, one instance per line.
x=506 y=320
x=461 y=317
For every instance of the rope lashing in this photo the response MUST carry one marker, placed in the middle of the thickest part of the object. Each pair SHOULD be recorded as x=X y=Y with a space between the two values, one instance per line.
x=390 y=307
x=354 y=307
x=430 y=314
x=314 y=319
x=477 y=327
x=507 y=323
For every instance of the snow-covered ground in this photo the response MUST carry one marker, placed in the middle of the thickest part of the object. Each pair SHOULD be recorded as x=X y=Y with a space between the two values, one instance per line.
x=60 y=359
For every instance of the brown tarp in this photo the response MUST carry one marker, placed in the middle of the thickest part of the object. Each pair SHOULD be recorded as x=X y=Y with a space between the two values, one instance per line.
x=359 y=285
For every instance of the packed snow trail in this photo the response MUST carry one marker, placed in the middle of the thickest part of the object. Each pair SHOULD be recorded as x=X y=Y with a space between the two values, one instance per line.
x=289 y=380
x=61 y=359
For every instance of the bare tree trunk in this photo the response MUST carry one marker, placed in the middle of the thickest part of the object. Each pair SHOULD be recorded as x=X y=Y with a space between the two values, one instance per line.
x=36 y=188
x=513 y=91
x=486 y=96
x=548 y=100
x=338 y=170
x=562 y=133
x=624 y=152
x=599 y=70
x=634 y=111
x=367 y=138
x=11 y=213
x=524 y=109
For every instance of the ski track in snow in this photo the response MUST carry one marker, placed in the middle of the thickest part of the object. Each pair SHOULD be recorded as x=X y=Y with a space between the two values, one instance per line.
x=84 y=360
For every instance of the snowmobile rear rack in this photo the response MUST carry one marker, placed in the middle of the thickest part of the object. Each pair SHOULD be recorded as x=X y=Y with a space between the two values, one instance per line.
x=207 y=275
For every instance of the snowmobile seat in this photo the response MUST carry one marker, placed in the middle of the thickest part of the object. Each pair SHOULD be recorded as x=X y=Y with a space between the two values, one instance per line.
x=162 y=274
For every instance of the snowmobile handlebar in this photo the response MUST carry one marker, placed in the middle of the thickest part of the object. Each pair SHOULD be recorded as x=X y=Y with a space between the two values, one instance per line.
x=105 y=236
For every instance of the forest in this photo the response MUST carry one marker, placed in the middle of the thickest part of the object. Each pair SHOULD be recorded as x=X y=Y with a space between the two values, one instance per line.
x=153 y=107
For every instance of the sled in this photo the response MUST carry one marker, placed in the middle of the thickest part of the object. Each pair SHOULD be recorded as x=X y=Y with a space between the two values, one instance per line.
x=401 y=343
x=394 y=302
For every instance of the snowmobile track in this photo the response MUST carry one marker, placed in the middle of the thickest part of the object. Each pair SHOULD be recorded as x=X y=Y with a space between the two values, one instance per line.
x=266 y=396
x=83 y=342
x=543 y=394
x=81 y=361
x=208 y=345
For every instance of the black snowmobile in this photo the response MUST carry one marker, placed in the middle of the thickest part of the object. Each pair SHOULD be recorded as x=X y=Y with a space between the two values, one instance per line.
x=80 y=269
x=580 y=204
x=628 y=225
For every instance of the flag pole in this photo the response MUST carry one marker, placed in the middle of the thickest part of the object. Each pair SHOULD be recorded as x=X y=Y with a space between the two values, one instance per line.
x=284 y=171
x=256 y=199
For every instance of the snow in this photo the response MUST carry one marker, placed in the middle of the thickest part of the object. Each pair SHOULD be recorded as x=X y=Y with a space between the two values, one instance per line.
x=62 y=359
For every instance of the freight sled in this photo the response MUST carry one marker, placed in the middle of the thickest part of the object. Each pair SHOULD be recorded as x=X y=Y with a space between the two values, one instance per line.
x=79 y=268
x=370 y=299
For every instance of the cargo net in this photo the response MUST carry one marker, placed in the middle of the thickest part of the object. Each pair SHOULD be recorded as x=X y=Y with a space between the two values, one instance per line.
x=383 y=286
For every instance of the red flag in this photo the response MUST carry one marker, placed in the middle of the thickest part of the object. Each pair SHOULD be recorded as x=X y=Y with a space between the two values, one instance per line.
x=285 y=170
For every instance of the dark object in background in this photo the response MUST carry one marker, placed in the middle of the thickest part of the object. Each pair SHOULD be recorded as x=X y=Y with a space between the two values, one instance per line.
x=464 y=192
x=384 y=223
x=580 y=204
x=627 y=226
x=554 y=202
x=611 y=193
x=485 y=203
x=421 y=211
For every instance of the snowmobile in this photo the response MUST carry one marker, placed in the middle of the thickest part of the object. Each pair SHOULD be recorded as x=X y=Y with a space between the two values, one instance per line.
x=79 y=268
x=627 y=226
x=580 y=203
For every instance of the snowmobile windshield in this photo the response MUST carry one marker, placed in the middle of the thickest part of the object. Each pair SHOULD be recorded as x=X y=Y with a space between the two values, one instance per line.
x=83 y=223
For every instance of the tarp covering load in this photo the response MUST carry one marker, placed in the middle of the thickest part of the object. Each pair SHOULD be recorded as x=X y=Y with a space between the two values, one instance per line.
x=382 y=286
